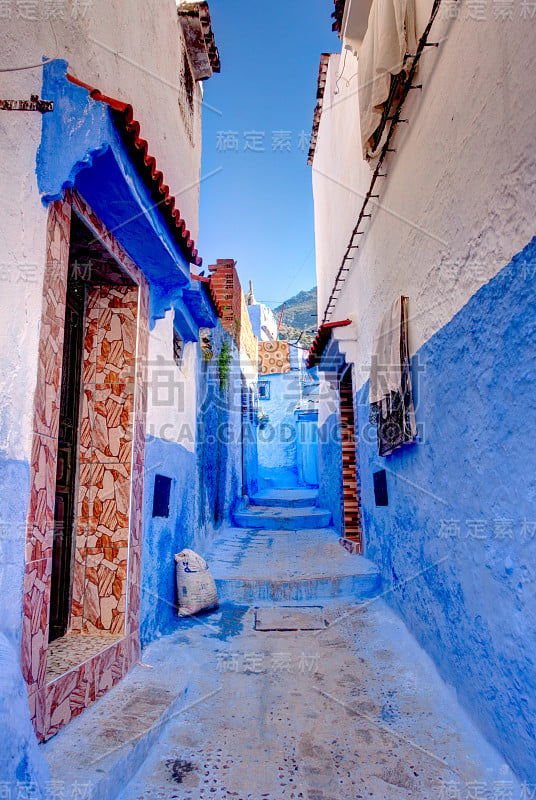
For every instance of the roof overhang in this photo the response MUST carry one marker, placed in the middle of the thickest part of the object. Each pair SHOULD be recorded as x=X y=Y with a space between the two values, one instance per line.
x=337 y=15
x=321 y=88
x=93 y=143
x=129 y=127
x=322 y=340
x=355 y=23
x=203 y=54
x=202 y=302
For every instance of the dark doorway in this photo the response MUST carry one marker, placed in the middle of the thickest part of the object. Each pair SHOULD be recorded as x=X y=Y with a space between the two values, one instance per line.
x=350 y=476
x=64 y=510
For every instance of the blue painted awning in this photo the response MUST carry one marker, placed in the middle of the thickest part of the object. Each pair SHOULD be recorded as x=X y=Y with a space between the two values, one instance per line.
x=92 y=143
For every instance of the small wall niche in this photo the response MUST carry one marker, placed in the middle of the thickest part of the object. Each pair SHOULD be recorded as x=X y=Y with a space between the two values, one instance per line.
x=161 y=496
x=380 y=488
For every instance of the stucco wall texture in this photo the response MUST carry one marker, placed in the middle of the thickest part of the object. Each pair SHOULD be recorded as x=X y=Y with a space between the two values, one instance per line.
x=21 y=762
x=206 y=473
x=330 y=469
x=457 y=543
x=458 y=201
x=450 y=230
x=133 y=57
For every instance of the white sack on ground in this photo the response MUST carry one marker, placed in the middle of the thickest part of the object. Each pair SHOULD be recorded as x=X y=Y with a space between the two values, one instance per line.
x=196 y=590
x=390 y=36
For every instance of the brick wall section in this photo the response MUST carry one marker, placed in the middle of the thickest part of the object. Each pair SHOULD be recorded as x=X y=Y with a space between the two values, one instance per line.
x=229 y=299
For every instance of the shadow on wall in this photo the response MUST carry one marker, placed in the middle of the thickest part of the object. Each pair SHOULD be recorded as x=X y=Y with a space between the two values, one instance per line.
x=457 y=542
x=330 y=469
x=205 y=487
x=214 y=429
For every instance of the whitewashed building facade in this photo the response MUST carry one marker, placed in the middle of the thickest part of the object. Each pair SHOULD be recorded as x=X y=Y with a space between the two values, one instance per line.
x=437 y=206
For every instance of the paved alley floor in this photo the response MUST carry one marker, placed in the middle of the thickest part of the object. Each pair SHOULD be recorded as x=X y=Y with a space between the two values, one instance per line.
x=353 y=709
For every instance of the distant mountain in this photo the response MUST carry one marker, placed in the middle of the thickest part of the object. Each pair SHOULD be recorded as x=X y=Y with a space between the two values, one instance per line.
x=299 y=317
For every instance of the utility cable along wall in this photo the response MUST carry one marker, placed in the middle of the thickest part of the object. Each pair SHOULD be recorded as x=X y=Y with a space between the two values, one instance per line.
x=394 y=119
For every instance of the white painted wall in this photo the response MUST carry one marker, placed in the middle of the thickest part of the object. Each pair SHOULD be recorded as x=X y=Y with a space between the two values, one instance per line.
x=148 y=40
x=339 y=172
x=263 y=322
x=22 y=258
x=460 y=197
x=268 y=324
x=171 y=390
x=133 y=53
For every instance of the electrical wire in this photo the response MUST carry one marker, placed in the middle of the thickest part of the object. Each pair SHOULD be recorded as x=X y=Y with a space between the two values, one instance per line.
x=340 y=78
x=30 y=66
x=35 y=66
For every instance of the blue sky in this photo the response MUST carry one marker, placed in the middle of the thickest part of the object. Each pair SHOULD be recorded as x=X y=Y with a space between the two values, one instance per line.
x=258 y=209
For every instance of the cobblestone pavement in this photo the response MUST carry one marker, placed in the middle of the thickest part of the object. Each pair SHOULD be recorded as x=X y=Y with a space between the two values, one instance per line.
x=352 y=710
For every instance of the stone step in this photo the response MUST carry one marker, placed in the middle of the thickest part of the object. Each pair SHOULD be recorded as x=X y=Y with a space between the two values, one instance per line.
x=299 y=591
x=263 y=568
x=112 y=738
x=281 y=518
x=285 y=498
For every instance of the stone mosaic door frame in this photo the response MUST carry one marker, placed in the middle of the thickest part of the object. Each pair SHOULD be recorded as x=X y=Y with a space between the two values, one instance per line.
x=106 y=582
x=352 y=511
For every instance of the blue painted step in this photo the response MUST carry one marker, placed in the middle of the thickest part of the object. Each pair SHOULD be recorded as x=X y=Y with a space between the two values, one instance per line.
x=266 y=568
x=285 y=498
x=281 y=518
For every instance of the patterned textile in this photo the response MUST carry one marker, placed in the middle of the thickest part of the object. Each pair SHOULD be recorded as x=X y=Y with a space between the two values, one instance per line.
x=394 y=414
x=274 y=358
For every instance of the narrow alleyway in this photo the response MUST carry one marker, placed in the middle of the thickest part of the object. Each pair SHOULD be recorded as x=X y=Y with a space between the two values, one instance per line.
x=292 y=689
x=268 y=298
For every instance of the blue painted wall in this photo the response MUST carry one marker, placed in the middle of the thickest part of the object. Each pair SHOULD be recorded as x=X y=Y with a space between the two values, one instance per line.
x=307 y=447
x=206 y=488
x=81 y=147
x=457 y=543
x=330 y=469
x=20 y=760
x=163 y=537
x=306 y=421
x=250 y=470
x=23 y=767
x=277 y=435
x=14 y=498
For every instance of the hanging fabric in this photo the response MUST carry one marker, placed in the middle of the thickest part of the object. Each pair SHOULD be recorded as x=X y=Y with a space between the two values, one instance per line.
x=391 y=396
x=391 y=35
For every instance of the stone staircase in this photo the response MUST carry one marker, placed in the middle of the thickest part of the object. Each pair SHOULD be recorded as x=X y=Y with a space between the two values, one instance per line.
x=283 y=510
x=282 y=550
